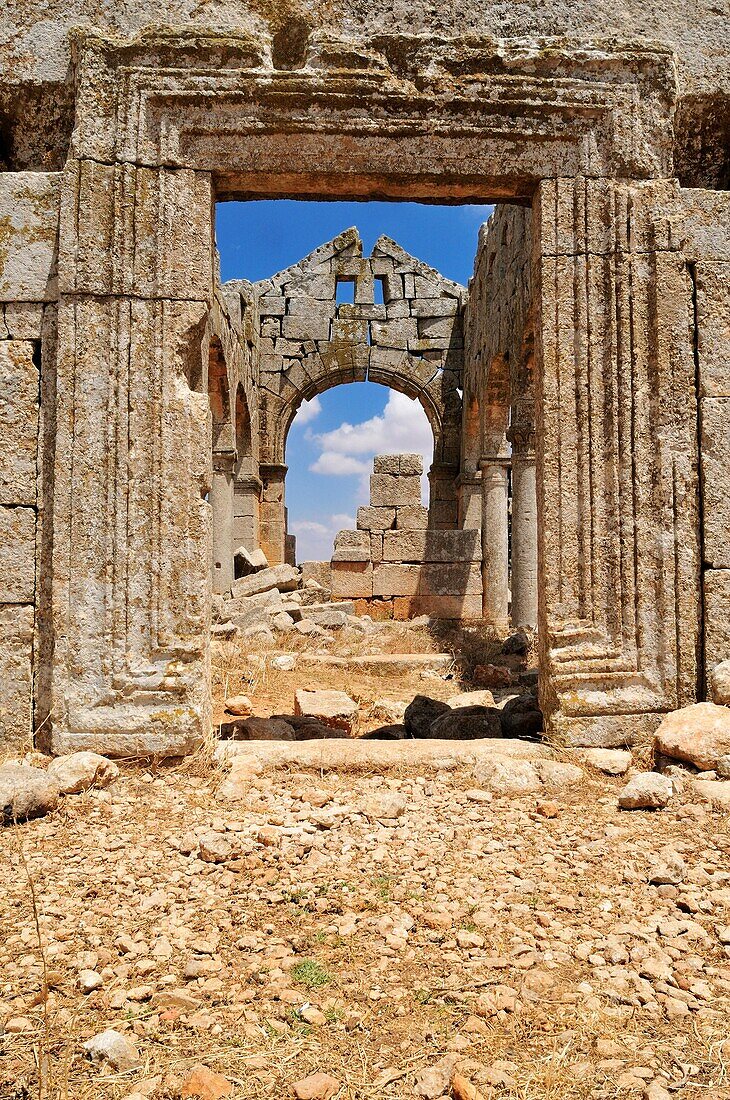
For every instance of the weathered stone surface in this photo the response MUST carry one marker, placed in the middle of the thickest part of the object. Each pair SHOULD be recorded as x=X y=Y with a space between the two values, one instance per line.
x=411 y=518
x=720 y=683
x=333 y=708
x=608 y=761
x=257 y=729
x=375 y=519
x=25 y=792
x=112 y=1050
x=283 y=577
x=81 y=770
x=432 y=546
x=19 y=395
x=467 y=723
x=249 y=561
x=431 y=579
x=351 y=579
x=17 y=555
x=507 y=777
x=716 y=586
x=396 y=731
x=698 y=734
x=387 y=491
x=646 y=791
x=712 y=281
x=715 y=456
x=28 y=231
x=16 y=654
x=421 y=713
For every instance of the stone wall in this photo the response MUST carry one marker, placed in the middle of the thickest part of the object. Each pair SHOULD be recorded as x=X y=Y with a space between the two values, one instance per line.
x=28 y=287
x=395 y=565
x=309 y=339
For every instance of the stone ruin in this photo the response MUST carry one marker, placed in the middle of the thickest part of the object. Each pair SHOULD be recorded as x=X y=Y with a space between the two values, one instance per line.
x=578 y=393
x=395 y=566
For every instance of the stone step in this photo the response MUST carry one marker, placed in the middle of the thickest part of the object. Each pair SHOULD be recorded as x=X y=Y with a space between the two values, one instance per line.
x=352 y=754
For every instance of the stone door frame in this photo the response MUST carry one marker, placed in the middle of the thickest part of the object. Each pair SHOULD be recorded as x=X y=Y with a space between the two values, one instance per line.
x=171 y=121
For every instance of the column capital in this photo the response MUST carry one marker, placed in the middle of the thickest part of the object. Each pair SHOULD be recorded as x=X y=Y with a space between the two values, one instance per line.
x=522 y=438
x=223 y=461
x=248 y=482
x=485 y=461
x=272 y=470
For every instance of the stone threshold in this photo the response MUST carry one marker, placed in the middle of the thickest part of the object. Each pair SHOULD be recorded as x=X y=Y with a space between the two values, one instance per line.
x=379 y=756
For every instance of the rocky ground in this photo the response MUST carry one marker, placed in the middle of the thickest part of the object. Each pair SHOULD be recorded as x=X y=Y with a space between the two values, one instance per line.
x=401 y=935
x=358 y=919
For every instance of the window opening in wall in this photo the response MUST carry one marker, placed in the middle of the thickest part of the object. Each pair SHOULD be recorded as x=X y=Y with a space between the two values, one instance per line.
x=345 y=292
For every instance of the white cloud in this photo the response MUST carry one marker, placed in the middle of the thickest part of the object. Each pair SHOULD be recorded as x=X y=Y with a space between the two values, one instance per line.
x=401 y=427
x=338 y=465
x=308 y=410
x=315 y=540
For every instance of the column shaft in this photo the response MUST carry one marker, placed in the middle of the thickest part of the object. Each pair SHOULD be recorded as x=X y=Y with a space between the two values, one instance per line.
x=221 y=503
x=524 y=539
x=495 y=548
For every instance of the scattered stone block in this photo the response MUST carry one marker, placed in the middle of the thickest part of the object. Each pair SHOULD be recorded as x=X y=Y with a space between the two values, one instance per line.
x=112 y=1050
x=646 y=791
x=239 y=705
x=698 y=734
x=720 y=684
x=283 y=577
x=25 y=793
x=421 y=713
x=79 y=771
x=481 y=698
x=246 y=561
x=466 y=724
x=333 y=708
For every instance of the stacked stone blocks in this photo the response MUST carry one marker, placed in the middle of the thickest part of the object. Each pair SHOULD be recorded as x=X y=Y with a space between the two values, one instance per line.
x=394 y=565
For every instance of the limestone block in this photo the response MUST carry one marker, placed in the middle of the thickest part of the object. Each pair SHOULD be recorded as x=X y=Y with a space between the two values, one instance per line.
x=17 y=555
x=140 y=231
x=375 y=519
x=386 y=464
x=713 y=328
x=272 y=305
x=28 y=228
x=389 y=491
x=468 y=606
x=352 y=546
x=24 y=320
x=306 y=328
x=434 y=307
x=432 y=546
x=716 y=583
x=410 y=464
x=394 y=334
x=18 y=422
x=352 y=580
x=317 y=286
x=311 y=307
x=414 y=518
x=715 y=459
x=429 y=579
x=16 y=653
x=318 y=571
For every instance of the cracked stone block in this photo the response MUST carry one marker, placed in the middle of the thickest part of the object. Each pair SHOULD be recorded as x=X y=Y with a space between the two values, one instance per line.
x=17 y=555
x=18 y=422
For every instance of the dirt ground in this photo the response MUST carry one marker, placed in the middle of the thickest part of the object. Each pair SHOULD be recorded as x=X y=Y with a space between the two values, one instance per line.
x=380 y=928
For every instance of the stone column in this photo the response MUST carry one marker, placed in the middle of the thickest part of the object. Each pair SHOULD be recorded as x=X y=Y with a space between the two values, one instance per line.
x=221 y=504
x=524 y=527
x=272 y=515
x=495 y=547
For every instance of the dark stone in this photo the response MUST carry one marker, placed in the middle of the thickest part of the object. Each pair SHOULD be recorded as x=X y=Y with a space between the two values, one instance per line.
x=421 y=713
x=522 y=717
x=467 y=724
x=257 y=729
x=394 y=732
x=516 y=643
x=307 y=728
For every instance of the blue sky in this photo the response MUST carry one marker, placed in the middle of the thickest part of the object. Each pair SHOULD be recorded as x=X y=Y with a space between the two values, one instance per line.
x=334 y=437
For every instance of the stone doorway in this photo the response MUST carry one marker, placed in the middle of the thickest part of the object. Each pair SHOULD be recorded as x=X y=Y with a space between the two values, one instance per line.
x=615 y=413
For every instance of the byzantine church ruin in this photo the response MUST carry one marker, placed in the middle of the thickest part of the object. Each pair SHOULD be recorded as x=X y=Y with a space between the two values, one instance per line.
x=578 y=389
